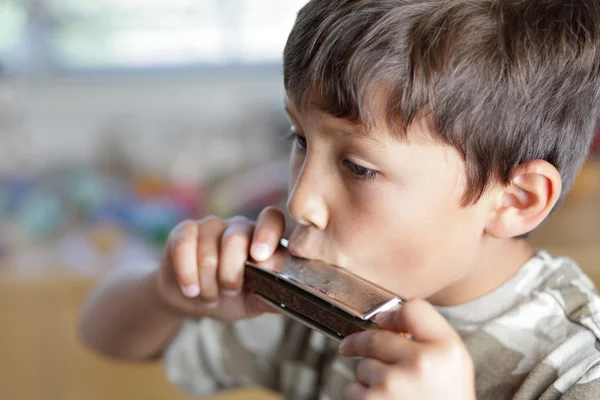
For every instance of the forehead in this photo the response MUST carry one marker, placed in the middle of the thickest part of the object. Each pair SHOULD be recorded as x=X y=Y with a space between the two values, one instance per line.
x=379 y=131
x=312 y=114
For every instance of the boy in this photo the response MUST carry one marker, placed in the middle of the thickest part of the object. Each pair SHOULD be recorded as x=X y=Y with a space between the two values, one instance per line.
x=430 y=136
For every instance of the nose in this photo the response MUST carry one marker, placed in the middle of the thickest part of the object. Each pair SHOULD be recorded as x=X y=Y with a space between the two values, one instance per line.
x=306 y=202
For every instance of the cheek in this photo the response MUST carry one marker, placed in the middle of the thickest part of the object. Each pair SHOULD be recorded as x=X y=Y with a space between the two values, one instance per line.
x=412 y=248
x=377 y=235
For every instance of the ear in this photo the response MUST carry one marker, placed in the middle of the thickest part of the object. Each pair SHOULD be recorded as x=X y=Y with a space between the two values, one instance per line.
x=526 y=201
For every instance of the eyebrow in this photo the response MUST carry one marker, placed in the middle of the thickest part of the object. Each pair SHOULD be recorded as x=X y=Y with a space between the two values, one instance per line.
x=350 y=133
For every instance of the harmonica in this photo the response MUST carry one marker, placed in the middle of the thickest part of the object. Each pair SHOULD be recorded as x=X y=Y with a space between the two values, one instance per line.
x=324 y=297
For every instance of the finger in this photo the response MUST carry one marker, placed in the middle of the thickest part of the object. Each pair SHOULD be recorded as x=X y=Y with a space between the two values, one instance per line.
x=371 y=372
x=386 y=346
x=182 y=249
x=355 y=391
x=270 y=226
x=420 y=319
x=235 y=245
x=256 y=306
x=209 y=237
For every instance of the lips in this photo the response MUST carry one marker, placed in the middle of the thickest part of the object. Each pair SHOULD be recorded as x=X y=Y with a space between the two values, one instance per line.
x=299 y=245
x=300 y=252
x=296 y=252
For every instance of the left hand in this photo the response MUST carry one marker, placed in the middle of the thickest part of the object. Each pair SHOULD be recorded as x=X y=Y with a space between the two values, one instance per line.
x=435 y=364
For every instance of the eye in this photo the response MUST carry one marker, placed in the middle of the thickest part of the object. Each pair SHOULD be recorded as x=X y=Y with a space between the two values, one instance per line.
x=299 y=140
x=359 y=172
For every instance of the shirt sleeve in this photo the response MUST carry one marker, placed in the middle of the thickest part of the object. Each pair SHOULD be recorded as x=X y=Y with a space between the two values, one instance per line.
x=207 y=356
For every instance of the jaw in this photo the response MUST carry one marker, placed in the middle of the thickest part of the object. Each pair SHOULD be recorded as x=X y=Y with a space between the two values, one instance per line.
x=498 y=261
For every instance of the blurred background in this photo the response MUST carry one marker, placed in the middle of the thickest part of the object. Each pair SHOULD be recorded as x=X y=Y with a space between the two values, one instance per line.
x=120 y=118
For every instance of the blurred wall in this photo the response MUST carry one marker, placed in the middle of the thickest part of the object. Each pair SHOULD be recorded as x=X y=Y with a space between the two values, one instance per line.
x=187 y=125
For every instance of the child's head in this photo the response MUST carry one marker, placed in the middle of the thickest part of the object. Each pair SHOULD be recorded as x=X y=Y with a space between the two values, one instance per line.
x=432 y=132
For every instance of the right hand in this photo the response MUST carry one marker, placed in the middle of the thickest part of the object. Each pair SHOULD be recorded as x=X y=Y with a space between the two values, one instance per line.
x=201 y=274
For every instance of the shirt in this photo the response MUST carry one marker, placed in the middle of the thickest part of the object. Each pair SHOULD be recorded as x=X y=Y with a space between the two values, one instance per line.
x=534 y=337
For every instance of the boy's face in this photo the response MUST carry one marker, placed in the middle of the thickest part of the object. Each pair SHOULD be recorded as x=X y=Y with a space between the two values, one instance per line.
x=387 y=208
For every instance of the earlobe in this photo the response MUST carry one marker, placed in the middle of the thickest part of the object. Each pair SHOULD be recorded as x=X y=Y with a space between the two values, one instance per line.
x=526 y=201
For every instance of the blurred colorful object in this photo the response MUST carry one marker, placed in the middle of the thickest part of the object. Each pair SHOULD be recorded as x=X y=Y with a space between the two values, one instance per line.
x=55 y=201
x=41 y=214
x=248 y=192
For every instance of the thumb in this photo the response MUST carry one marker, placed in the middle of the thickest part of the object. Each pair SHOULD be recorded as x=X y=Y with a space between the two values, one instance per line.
x=419 y=319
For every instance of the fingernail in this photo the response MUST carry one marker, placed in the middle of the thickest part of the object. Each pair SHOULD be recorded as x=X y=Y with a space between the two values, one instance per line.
x=191 y=291
x=260 y=252
x=231 y=293
x=212 y=305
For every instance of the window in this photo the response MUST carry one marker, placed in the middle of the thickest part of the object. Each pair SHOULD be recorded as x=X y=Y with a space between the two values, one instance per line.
x=12 y=27
x=76 y=34
x=264 y=27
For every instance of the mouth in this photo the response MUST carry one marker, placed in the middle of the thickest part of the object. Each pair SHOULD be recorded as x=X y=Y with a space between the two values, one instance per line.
x=300 y=252
x=303 y=246
x=296 y=252
x=299 y=245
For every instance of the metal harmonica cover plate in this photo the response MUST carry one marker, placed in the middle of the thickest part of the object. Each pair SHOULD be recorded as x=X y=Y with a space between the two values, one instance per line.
x=323 y=296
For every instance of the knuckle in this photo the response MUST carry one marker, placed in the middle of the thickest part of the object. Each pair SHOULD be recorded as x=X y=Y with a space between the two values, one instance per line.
x=183 y=229
x=211 y=220
x=235 y=238
x=207 y=262
x=207 y=302
x=371 y=344
x=186 y=225
x=275 y=215
x=209 y=292
x=375 y=341
x=231 y=280
x=267 y=232
x=209 y=296
x=239 y=219
x=181 y=243
x=210 y=224
x=365 y=367
x=184 y=276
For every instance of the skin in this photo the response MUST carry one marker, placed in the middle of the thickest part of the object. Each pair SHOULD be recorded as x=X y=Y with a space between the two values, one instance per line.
x=377 y=205
x=388 y=209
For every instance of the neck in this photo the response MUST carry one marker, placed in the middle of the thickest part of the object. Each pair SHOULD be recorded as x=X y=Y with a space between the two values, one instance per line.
x=499 y=260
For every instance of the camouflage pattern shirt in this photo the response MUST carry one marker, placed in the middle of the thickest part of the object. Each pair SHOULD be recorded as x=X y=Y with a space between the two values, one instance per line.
x=535 y=337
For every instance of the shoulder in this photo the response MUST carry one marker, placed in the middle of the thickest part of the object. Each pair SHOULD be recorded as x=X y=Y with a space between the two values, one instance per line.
x=572 y=290
x=571 y=369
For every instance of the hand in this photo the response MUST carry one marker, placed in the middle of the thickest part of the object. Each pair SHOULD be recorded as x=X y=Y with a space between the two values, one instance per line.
x=433 y=364
x=202 y=270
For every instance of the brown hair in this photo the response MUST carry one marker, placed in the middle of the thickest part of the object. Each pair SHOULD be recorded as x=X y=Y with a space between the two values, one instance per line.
x=503 y=81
